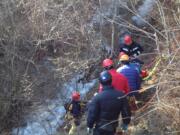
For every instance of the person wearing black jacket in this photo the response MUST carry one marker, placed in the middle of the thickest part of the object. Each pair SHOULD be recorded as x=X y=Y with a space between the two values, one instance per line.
x=129 y=47
x=105 y=107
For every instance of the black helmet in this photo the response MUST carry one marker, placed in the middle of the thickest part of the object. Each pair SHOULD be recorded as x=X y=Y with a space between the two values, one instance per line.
x=105 y=78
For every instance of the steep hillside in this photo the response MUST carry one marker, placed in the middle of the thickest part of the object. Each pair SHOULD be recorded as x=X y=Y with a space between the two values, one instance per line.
x=44 y=44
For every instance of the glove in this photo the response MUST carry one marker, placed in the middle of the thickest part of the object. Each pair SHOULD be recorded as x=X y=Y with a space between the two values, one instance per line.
x=124 y=127
x=95 y=93
x=89 y=130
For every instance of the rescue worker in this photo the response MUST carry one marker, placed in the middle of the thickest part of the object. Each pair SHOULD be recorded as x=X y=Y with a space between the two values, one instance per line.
x=74 y=112
x=143 y=72
x=119 y=81
x=104 y=110
x=135 y=65
x=130 y=47
x=131 y=73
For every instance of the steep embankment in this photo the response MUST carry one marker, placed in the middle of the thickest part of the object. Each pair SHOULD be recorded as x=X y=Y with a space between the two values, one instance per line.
x=45 y=43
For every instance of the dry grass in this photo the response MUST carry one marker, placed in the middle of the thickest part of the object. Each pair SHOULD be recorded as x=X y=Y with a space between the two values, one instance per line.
x=60 y=30
x=162 y=116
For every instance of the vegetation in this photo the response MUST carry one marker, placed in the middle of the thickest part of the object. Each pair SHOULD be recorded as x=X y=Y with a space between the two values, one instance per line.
x=62 y=34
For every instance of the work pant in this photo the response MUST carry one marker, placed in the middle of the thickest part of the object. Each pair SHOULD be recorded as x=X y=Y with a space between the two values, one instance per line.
x=98 y=131
x=74 y=126
x=132 y=103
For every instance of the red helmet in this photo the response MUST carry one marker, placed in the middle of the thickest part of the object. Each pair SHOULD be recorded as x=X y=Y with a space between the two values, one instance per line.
x=76 y=96
x=107 y=63
x=128 y=40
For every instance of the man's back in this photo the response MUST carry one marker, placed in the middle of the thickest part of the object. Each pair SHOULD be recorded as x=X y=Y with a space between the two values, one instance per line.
x=136 y=66
x=119 y=81
x=106 y=107
x=75 y=108
x=132 y=76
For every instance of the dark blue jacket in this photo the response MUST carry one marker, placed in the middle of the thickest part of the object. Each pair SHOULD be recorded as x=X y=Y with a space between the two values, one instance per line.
x=131 y=50
x=75 y=108
x=106 y=106
x=132 y=75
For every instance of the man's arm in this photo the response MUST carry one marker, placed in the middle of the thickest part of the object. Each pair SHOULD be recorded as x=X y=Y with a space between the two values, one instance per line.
x=119 y=70
x=100 y=88
x=140 y=48
x=136 y=49
x=138 y=81
x=127 y=88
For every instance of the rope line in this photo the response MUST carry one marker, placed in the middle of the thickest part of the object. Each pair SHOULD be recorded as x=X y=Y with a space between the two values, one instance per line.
x=151 y=73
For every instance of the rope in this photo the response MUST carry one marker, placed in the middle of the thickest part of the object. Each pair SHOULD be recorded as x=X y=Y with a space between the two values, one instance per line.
x=153 y=70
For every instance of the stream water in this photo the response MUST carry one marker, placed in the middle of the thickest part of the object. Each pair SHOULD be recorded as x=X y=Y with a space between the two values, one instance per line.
x=47 y=118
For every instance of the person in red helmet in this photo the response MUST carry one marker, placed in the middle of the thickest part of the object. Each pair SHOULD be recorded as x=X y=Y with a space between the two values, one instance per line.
x=119 y=81
x=74 y=110
x=135 y=64
x=76 y=96
x=130 y=47
x=105 y=108
x=131 y=73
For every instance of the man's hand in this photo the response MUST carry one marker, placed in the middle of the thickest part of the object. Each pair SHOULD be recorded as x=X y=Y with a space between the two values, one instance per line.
x=89 y=130
x=124 y=127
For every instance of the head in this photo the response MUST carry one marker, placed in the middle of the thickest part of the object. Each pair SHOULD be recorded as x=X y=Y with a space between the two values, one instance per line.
x=120 y=54
x=76 y=96
x=105 y=78
x=128 y=40
x=107 y=64
x=124 y=59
